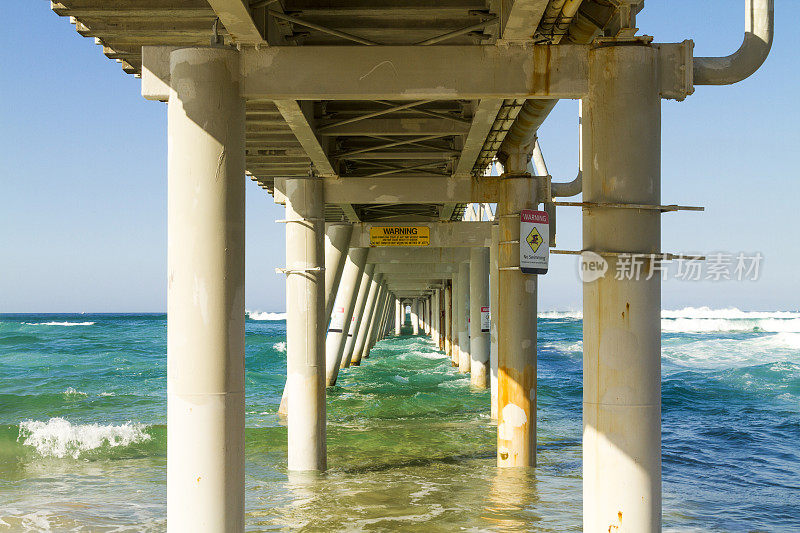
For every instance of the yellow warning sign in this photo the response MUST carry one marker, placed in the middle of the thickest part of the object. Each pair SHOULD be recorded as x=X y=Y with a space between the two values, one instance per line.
x=534 y=239
x=399 y=236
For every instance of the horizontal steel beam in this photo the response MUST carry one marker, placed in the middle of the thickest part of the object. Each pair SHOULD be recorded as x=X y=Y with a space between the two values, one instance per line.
x=415 y=73
x=424 y=269
x=421 y=72
x=409 y=190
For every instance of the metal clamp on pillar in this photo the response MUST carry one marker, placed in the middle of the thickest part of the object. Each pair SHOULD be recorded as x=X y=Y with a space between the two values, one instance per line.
x=612 y=205
x=298 y=270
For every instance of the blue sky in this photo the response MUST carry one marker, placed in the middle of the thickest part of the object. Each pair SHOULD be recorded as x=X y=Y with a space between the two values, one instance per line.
x=83 y=180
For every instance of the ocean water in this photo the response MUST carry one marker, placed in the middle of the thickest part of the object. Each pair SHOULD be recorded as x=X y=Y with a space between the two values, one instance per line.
x=410 y=444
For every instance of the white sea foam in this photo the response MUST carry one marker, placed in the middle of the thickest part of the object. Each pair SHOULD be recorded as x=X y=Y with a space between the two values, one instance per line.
x=265 y=315
x=561 y=314
x=706 y=320
x=59 y=438
x=71 y=391
x=279 y=347
x=705 y=325
x=727 y=313
x=719 y=353
x=59 y=323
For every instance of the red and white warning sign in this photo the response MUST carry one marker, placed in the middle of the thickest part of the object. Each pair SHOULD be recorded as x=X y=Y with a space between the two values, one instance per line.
x=486 y=321
x=534 y=245
x=337 y=319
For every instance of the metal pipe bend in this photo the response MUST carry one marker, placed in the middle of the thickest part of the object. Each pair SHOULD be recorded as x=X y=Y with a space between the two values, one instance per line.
x=759 y=23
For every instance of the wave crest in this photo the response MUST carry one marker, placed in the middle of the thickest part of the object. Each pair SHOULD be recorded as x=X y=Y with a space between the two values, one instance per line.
x=264 y=315
x=59 y=323
x=707 y=320
x=59 y=438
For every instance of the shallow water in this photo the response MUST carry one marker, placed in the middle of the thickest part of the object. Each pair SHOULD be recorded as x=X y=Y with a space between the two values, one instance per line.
x=410 y=444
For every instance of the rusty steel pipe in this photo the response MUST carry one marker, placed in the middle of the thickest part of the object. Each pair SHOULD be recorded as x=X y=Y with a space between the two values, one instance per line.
x=759 y=25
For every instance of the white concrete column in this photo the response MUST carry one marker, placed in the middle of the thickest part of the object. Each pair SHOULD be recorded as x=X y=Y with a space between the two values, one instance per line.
x=377 y=318
x=367 y=319
x=342 y=315
x=358 y=316
x=415 y=316
x=205 y=304
x=388 y=310
x=494 y=293
x=434 y=317
x=425 y=322
x=448 y=321
x=621 y=134
x=337 y=242
x=429 y=322
x=479 y=297
x=516 y=424
x=398 y=316
x=305 y=326
x=463 y=318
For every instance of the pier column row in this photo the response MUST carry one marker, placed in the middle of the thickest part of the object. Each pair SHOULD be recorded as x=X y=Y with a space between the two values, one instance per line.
x=448 y=319
x=342 y=314
x=337 y=242
x=516 y=330
x=358 y=316
x=367 y=320
x=205 y=304
x=621 y=138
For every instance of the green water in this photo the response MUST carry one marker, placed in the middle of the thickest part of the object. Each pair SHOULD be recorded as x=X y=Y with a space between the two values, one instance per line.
x=411 y=446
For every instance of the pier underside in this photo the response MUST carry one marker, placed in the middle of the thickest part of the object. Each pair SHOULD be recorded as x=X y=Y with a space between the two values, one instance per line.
x=376 y=124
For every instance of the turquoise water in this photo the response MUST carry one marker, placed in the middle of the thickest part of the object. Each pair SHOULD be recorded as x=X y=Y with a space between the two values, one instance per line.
x=411 y=445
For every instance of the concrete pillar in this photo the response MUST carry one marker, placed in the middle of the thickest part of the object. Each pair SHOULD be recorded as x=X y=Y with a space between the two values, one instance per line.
x=305 y=326
x=205 y=304
x=479 y=298
x=434 y=317
x=358 y=316
x=415 y=316
x=425 y=319
x=493 y=292
x=429 y=315
x=377 y=317
x=398 y=316
x=516 y=425
x=421 y=316
x=456 y=317
x=463 y=318
x=342 y=315
x=621 y=135
x=388 y=311
x=448 y=320
x=337 y=242
x=366 y=322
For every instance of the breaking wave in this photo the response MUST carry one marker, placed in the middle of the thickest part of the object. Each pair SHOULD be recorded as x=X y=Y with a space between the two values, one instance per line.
x=264 y=315
x=706 y=320
x=59 y=438
x=59 y=323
